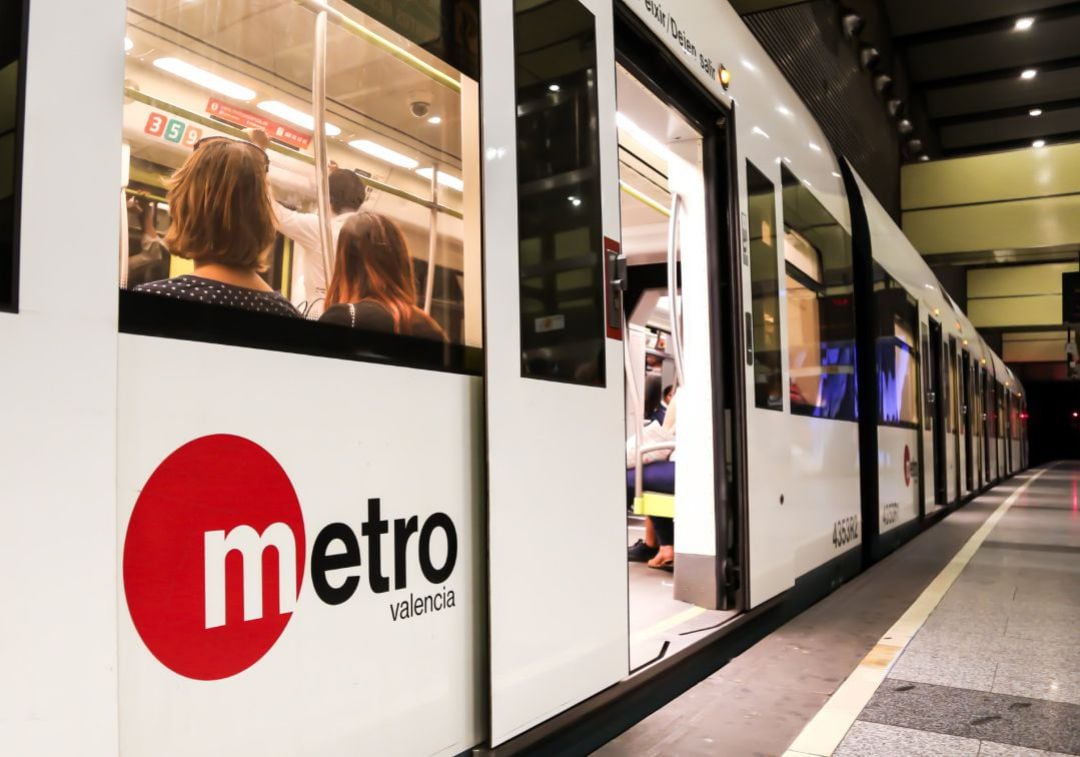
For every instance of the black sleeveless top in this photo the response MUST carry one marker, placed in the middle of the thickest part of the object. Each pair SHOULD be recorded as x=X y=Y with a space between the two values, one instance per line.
x=198 y=289
x=372 y=316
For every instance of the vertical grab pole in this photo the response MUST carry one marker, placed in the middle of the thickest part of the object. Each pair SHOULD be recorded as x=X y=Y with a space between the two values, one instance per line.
x=673 y=286
x=433 y=240
x=635 y=399
x=124 y=233
x=322 y=179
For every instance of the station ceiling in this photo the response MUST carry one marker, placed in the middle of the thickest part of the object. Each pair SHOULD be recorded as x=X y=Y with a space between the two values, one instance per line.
x=966 y=63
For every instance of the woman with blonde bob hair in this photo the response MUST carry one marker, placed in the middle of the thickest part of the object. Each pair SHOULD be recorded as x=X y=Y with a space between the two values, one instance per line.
x=373 y=286
x=222 y=220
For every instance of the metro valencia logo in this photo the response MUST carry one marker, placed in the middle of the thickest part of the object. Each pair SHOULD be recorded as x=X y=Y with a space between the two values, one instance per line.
x=214 y=558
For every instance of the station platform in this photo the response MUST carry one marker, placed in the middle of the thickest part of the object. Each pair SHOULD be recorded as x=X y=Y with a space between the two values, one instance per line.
x=965 y=641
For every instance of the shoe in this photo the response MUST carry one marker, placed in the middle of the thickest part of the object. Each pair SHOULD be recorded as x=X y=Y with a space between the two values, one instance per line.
x=639 y=551
x=662 y=563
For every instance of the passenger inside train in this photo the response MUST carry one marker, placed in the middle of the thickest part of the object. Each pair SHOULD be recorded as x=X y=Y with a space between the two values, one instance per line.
x=401 y=139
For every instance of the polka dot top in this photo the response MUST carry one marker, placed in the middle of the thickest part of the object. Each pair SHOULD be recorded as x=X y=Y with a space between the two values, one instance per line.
x=198 y=289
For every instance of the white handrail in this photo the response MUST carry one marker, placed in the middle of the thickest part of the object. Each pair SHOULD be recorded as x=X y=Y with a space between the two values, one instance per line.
x=322 y=179
x=673 y=286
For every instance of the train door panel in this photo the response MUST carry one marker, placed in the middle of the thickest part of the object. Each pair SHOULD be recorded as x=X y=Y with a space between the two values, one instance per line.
x=966 y=408
x=938 y=399
x=554 y=389
x=952 y=414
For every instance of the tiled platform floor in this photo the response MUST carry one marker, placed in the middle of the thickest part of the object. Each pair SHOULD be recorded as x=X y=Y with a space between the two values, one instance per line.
x=995 y=669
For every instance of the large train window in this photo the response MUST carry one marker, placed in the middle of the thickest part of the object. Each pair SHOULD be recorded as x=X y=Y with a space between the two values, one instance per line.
x=12 y=76
x=765 y=290
x=559 y=216
x=820 y=306
x=897 y=354
x=369 y=244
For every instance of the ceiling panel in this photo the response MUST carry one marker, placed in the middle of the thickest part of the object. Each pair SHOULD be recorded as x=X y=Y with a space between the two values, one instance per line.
x=1014 y=128
x=981 y=97
x=916 y=16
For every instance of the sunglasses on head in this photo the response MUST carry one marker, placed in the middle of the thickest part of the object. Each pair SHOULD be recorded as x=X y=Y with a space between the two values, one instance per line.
x=219 y=138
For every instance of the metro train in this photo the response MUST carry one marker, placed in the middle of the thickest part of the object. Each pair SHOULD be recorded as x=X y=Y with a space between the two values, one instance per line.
x=231 y=532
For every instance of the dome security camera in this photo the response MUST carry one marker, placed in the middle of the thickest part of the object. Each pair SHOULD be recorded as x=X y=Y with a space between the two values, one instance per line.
x=420 y=108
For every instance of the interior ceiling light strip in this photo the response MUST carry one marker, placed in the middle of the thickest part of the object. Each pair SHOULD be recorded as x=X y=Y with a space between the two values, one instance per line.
x=644 y=198
x=294 y=116
x=204 y=78
x=232 y=131
x=446 y=179
x=343 y=21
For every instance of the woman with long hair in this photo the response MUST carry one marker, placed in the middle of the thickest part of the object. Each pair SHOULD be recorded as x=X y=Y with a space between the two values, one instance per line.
x=373 y=286
x=222 y=221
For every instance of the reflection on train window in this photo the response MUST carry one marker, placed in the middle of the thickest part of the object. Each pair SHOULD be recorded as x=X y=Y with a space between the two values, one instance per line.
x=952 y=397
x=897 y=359
x=559 y=214
x=765 y=290
x=219 y=104
x=11 y=103
x=820 y=307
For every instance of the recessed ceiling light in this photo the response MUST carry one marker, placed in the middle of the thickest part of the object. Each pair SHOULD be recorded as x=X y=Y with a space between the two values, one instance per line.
x=204 y=78
x=294 y=116
x=1029 y=73
x=1035 y=112
x=554 y=88
x=1039 y=143
x=924 y=158
x=1025 y=23
x=383 y=153
x=435 y=120
x=447 y=180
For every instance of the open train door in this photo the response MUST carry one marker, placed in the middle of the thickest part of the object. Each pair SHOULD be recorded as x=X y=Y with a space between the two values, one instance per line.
x=554 y=360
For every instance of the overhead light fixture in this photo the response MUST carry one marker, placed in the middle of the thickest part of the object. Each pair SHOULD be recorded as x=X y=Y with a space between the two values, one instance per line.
x=554 y=88
x=1035 y=112
x=924 y=158
x=869 y=57
x=882 y=82
x=905 y=126
x=1025 y=23
x=294 y=116
x=853 y=24
x=895 y=106
x=445 y=179
x=384 y=153
x=915 y=145
x=435 y=120
x=203 y=78
x=1039 y=143
x=1028 y=74
x=128 y=44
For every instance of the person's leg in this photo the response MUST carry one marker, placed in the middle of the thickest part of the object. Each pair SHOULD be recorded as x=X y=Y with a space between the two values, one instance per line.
x=665 y=536
x=650 y=533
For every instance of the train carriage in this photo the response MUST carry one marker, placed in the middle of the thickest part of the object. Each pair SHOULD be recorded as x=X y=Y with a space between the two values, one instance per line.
x=264 y=533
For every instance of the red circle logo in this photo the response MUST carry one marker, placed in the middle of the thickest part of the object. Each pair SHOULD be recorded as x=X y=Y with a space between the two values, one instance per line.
x=214 y=557
x=907 y=466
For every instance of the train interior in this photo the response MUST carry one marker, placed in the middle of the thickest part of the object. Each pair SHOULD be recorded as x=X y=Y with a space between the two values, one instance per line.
x=398 y=117
x=659 y=154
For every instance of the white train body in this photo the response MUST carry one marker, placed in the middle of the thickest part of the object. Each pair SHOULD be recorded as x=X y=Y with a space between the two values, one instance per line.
x=531 y=618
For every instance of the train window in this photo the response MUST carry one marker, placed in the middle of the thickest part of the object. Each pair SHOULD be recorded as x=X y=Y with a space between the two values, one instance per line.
x=897 y=355
x=559 y=214
x=375 y=254
x=928 y=406
x=12 y=76
x=765 y=290
x=952 y=398
x=820 y=306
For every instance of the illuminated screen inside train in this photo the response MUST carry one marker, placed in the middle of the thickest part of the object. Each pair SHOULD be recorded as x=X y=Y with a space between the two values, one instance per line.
x=234 y=202
x=11 y=76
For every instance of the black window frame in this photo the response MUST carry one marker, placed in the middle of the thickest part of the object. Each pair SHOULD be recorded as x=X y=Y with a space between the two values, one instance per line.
x=756 y=177
x=153 y=315
x=848 y=410
x=9 y=269
x=886 y=316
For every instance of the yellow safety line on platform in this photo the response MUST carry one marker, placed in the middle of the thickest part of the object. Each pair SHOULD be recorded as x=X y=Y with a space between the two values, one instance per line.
x=823 y=734
x=667 y=624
